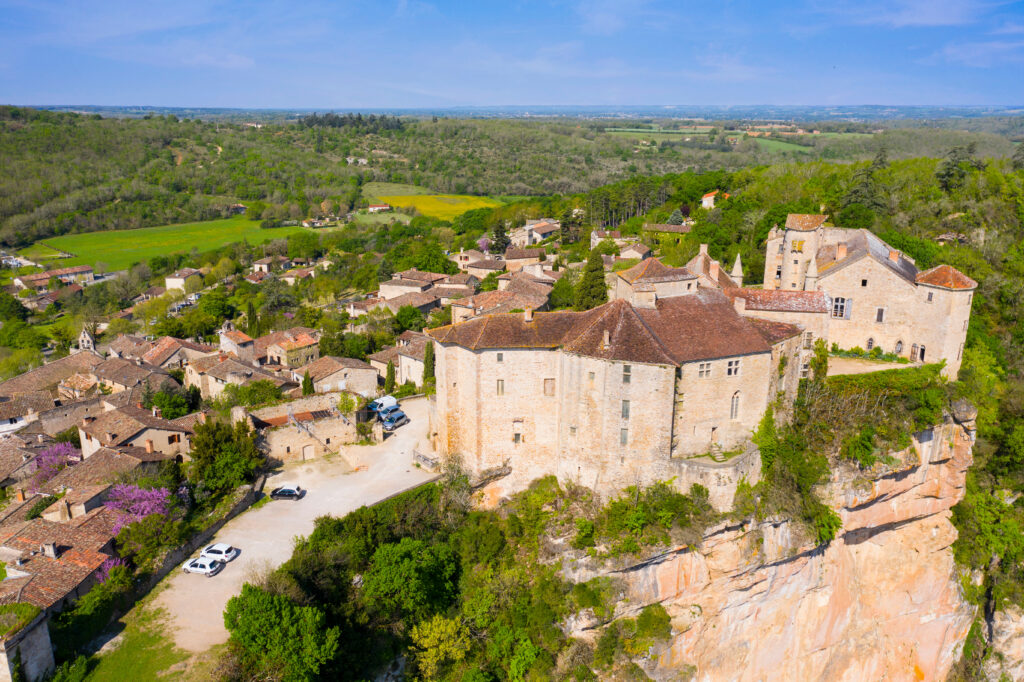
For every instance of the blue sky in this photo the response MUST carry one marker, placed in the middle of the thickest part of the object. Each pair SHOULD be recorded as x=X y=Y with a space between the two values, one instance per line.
x=417 y=53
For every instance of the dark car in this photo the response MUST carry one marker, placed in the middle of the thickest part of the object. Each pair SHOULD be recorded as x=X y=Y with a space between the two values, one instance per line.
x=287 y=492
x=394 y=420
x=386 y=412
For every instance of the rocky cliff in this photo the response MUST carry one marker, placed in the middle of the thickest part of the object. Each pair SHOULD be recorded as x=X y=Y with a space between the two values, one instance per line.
x=882 y=601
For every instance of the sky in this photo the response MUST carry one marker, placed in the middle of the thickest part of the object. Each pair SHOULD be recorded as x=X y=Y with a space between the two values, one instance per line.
x=351 y=54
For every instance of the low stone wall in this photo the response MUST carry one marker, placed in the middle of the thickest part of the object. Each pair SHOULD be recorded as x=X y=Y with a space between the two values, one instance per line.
x=31 y=647
x=720 y=478
x=247 y=495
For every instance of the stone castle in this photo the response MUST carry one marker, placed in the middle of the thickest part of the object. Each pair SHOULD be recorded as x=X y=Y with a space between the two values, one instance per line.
x=682 y=362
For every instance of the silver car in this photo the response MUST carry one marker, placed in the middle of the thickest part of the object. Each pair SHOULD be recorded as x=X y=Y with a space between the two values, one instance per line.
x=203 y=566
x=221 y=551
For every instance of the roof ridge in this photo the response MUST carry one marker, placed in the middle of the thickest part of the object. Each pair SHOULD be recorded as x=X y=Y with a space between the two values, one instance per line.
x=653 y=335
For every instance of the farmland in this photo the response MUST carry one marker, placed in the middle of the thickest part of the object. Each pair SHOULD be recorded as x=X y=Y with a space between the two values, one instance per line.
x=443 y=206
x=119 y=249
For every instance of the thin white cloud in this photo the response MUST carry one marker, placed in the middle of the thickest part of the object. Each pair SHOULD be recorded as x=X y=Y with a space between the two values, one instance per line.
x=606 y=17
x=984 y=54
x=908 y=13
x=1009 y=28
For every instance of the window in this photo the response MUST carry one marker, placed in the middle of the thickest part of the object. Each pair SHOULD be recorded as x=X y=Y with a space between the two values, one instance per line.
x=808 y=339
x=899 y=347
x=549 y=387
x=590 y=376
x=623 y=436
x=627 y=372
x=733 y=368
x=913 y=352
x=734 y=407
x=689 y=285
x=863 y=282
x=704 y=370
x=501 y=357
x=517 y=438
x=796 y=262
x=880 y=315
x=839 y=308
x=501 y=387
x=782 y=247
x=328 y=441
x=793 y=285
x=778 y=272
x=12 y=420
x=805 y=370
x=798 y=247
x=572 y=430
x=920 y=353
x=288 y=448
x=625 y=409
x=173 y=438
x=930 y=294
x=871 y=344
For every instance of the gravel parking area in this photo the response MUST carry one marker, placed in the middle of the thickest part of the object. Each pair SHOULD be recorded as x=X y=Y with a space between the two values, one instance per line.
x=195 y=604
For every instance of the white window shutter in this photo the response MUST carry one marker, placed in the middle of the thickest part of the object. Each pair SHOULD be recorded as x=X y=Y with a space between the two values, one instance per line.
x=849 y=308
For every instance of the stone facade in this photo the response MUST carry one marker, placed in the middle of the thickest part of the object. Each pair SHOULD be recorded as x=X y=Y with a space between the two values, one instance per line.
x=306 y=428
x=31 y=648
x=879 y=298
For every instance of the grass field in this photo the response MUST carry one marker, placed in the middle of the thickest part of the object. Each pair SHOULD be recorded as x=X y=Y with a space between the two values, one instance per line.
x=40 y=252
x=118 y=249
x=780 y=146
x=443 y=206
x=392 y=189
x=379 y=218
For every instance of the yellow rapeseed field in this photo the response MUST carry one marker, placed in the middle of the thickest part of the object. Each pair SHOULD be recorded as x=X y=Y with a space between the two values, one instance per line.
x=443 y=206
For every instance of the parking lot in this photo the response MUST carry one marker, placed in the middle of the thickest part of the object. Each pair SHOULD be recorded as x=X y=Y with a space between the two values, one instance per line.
x=195 y=603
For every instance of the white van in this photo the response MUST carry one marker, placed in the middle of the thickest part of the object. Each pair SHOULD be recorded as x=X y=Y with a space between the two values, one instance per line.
x=382 y=403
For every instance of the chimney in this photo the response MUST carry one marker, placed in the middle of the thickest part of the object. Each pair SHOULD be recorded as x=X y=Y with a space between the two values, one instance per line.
x=607 y=340
x=149 y=445
x=202 y=417
x=740 y=304
x=67 y=509
x=704 y=249
x=157 y=412
x=840 y=251
x=48 y=549
x=138 y=404
x=528 y=315
x=110 y=437
x=88 y=420
x=21 y=495
x=713 y=271
x=39 y=438
x=894 y=255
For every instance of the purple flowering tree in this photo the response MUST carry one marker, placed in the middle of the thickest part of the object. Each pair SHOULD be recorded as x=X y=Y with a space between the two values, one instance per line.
x=103 y=572
x=484 y=243
x=50 y=461
x=134 y=503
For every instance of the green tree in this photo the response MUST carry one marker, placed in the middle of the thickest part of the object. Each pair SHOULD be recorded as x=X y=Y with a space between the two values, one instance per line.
x=501 y=240
x=437 y=642
x=307 y=384
x=676 y=218
x=252 y=320
x=11 y=308
x=223 y=457
x=410 y=579
x=1018 y=157
x=215 y=304
x=819 y=361
x=281 y=639
x=409 y=317
x=172 y=404
x=592 y=290
x=428 y=362
x=490 y=282
x=959 y=162
x=389 y=377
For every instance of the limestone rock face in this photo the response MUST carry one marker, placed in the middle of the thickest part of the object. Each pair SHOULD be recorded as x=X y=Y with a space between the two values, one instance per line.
x=1007 y=659
x=881 y=602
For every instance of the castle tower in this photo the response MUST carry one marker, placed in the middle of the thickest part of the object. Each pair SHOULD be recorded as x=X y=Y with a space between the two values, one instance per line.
x=811 y=277
x=737 y=272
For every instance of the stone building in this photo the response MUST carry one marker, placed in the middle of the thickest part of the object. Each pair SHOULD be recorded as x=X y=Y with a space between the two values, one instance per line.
x=296 y=352
x=303 y=429
x=407 y=355
x=180 y=279
x=609 y=397
x=134 y=427
x=213 y=374
x=878 y=296
x=515 y=259
x=331 y=373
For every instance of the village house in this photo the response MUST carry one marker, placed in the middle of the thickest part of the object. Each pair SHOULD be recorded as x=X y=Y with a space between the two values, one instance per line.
x=214 y=373
x=481 y=268
x=650 y=280
x=134 y=426
x=169 y=352
x=262 y=344
x=331 y=373
x=306 y=428
x=378 y=208
x=17 y=456
x=295 y=352
x=298 y=274
x=237 y=343
x=407 y=355
x=20 y=410
x=598 y=236
x=48 y=376
x=464 y=257
x=78 y=274
x=271 y=263
x=119 y=374
x=515 y=259
x=708 y=200
x=668 y=232
x=534 y=232
x=180 y=279
x=635 y=250
x=609 y=397
x=57 y=297
x=879 y=298
x=149 y=294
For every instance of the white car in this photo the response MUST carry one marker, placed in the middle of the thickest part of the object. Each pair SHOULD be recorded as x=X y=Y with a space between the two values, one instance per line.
x=220 y=552
x=203 y=566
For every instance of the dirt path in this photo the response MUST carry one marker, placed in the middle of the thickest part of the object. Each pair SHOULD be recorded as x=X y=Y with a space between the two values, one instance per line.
x=195 y=604
x=860 y=366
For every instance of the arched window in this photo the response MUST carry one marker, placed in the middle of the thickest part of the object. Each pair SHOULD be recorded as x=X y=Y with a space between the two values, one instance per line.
x=871 y=344
x=899 y=347
x=734 y=408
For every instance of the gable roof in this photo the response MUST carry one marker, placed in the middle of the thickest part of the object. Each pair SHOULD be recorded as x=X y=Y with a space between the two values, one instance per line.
x=330 y=364
x=544 y=227
x=420 y=275
x=183 y=273
x=782 y=300
x=805 y=221
x=772 y=331
x=167 y=346
x=861 y=243
x=653 y=270
x=263 y=342
x=521 y=254
x=23 y=404
x=665 y=227
x=48 y=376
x=946 y=277
x=679 y=329
x=126 y=422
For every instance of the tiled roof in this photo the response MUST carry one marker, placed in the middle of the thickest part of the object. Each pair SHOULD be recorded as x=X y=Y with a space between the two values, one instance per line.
x=230 y=370
x=300 y=341
x=420 y=275
x=21 y=405
x=782 y=300
x=190 y=421
x=947 y=277
x=520 y=254
x=238 y=337
x=389 y=354
x=653 y=270
x=102 y=467
x=701 y=264
x=328 y=365
x=413 y=298
x=168 y=346
x=488 y=264
x=184 y=272
x=47 y=377
x=271 y=259
x=490 y=301
x=859 y=244
x=609 y=234
x=526 y=285
x=665 y=227
x=130 y=346
x=773 y=332
x=545 y=228
x=679 y=329
x=805 y=221
x=45 y=276
x=155 y=291
x=129 y=373
x=710 y=194
x=263 y=342
x=460 y=278
x=126 y=422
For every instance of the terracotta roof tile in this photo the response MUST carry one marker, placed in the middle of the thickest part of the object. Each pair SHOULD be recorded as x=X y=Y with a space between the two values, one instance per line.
x=805 y=221
x=521 y=254
x=773 y=332
x=782 y=300
x=653 y=270
x=947 y=277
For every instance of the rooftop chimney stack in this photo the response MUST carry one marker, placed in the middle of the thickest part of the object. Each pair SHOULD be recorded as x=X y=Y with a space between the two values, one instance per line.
x=713 y=271
x=149 y=445
x=894 y=255
x=49 y=549
x=21 y=494
x=840 y=251
x=528 y=315
x=607 y=341
x=740 y=304
x=704 y=249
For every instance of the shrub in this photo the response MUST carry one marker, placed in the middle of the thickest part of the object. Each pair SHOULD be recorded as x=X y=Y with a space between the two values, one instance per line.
x=37 y=509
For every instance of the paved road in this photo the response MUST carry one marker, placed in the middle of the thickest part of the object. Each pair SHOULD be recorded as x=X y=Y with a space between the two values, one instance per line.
x=195 y=604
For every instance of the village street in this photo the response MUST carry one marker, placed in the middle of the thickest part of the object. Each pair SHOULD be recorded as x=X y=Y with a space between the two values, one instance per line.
x=195 y=604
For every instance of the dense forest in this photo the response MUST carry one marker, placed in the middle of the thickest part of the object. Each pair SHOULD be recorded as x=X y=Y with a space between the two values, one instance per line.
x=68 y=173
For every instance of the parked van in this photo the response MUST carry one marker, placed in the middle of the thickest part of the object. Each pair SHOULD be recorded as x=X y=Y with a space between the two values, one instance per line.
x=382 y=403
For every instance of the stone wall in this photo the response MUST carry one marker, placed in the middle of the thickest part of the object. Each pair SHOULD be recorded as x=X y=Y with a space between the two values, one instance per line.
x=64 y=417
x=31 y=646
